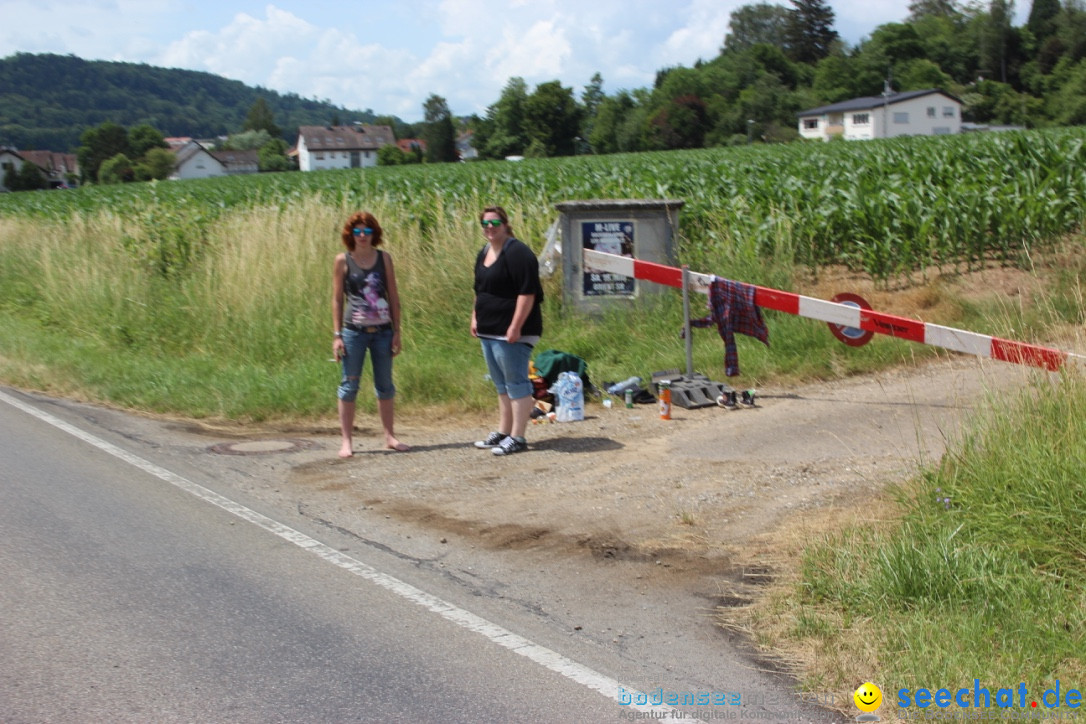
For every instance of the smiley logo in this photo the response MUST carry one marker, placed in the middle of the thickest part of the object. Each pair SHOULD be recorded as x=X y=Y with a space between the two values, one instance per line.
x=868 y=697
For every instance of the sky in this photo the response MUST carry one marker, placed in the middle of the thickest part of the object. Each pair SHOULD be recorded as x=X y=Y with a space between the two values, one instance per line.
x=390 y=56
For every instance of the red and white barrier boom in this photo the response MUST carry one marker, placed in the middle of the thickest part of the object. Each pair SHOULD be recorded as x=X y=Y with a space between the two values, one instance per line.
x=848 y=316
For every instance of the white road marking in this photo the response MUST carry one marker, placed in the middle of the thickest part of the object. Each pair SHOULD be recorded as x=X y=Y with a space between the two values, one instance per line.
x=541 y=655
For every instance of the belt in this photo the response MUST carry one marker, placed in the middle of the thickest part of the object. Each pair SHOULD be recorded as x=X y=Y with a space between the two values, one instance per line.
x=368 y=330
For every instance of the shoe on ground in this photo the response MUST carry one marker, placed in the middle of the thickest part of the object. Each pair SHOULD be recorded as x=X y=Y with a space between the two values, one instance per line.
x=727 y=400
x=510 y=445
x=492 y=440
x=747 y=400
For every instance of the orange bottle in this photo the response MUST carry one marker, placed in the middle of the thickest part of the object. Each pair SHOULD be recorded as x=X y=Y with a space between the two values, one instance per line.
x=665 y=400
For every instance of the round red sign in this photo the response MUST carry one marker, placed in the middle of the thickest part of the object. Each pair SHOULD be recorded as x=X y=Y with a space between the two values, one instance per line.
x=852 y=336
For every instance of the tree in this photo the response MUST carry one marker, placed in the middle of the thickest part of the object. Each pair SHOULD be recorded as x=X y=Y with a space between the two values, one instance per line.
x=501 y=133
x=439 y=132
x=995 y=32
x=391 y=155
x=591 y=99
x=272 y=156
x=116 y=170
x=759 y=24
x=552 y=119
x=157 y=163
x=682 y=123
x=260 y=118
x=99 y=144
x=933 y=8
x=609 y=117
x=246 y=140
x=143 y=138
x=27 y=177
x=1042 y=19
x=810 y=32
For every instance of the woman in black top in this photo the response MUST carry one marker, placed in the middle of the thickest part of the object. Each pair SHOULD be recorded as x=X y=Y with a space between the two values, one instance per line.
x=508 y=320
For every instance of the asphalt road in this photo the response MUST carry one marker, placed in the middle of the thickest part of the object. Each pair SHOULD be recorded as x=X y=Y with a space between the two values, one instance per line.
x=142 y=585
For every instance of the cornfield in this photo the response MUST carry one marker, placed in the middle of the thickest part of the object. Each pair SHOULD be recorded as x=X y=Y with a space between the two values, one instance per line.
x=883 y=207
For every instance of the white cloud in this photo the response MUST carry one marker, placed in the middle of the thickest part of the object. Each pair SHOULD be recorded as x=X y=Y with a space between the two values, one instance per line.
x=246 y=49
x=701 y=35
x=540 y=51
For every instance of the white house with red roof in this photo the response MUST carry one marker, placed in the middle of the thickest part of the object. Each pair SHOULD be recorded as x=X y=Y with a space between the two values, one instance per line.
x=330 y=147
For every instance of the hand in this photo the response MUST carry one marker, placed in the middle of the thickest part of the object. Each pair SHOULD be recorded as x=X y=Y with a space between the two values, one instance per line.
x=339 y=351
x=397 y=346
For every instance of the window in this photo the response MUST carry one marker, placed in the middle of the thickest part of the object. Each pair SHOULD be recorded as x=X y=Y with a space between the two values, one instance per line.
x=931 y=111
x=948 y=112
x=901 y=117
x=810 y=124
x=861 y=119
x=941 y=131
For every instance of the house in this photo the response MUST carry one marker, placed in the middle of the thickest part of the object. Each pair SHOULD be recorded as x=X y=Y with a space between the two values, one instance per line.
x=59 y=169
x=234 y=162
x=10 y=160
x=411 y=146
x=195 y=161
x=328 y=147
x=464 y=146
x=910 y=113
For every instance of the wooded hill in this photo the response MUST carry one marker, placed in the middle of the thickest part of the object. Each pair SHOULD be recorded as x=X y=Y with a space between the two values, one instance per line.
x=47 y=101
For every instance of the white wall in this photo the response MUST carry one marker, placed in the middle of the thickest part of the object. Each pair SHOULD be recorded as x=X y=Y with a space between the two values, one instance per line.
x=920 y=123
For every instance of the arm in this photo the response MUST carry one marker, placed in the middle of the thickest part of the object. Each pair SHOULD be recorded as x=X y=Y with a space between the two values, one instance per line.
x=524 y=307
x=393 y=303
x=339 y=270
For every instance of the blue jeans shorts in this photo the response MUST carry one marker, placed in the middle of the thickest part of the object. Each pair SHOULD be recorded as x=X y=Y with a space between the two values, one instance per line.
x=508 y=366
x=379 y=346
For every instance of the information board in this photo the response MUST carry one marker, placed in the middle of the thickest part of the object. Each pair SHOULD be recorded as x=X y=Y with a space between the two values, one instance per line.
x=610 y=237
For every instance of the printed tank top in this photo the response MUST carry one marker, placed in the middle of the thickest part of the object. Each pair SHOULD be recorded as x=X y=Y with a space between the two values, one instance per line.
x=367 y=293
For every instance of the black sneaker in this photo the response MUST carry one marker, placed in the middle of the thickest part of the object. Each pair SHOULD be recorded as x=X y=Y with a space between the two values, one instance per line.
x=727 y=400
x=510 y=445
x=747 y=400
x=491 y=440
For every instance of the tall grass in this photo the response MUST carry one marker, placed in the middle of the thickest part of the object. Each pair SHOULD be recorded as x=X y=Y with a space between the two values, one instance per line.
x=979 y=574
x=212 y=297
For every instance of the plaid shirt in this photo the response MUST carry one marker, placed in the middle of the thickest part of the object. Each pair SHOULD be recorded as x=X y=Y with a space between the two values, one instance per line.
x=733 y=310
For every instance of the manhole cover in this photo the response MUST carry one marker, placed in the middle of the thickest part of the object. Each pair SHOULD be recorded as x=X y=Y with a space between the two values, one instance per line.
x=261 y=447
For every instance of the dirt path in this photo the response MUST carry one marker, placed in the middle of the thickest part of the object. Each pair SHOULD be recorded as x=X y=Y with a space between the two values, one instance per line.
x=691 y=491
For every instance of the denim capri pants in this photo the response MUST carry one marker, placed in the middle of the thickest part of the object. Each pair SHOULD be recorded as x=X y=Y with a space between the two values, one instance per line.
x=379 y=345
x=508 y=366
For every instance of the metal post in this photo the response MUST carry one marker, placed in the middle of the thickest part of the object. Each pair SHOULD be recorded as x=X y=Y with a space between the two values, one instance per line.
x=686 y=323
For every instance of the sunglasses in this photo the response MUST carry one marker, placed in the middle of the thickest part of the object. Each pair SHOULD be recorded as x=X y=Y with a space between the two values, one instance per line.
x=491 y=222
x=367 y=231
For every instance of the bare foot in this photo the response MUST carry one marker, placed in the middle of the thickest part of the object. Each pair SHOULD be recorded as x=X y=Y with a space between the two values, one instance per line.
x=346 y=451
x=394 y=444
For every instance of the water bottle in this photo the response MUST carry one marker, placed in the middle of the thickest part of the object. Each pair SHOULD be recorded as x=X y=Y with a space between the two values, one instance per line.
x=568 y=391
x=619 y=387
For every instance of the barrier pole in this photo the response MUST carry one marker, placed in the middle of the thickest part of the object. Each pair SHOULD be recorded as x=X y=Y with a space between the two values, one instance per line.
x=844 y=315
x=686 y=323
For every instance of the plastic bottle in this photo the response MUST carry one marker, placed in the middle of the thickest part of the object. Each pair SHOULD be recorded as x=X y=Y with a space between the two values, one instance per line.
x=665 y=400
x=629 y=397
x=619 y=387
x=568 y=391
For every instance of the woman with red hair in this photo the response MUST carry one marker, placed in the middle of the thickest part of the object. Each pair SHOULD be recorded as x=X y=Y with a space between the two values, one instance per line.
x=365 y=318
